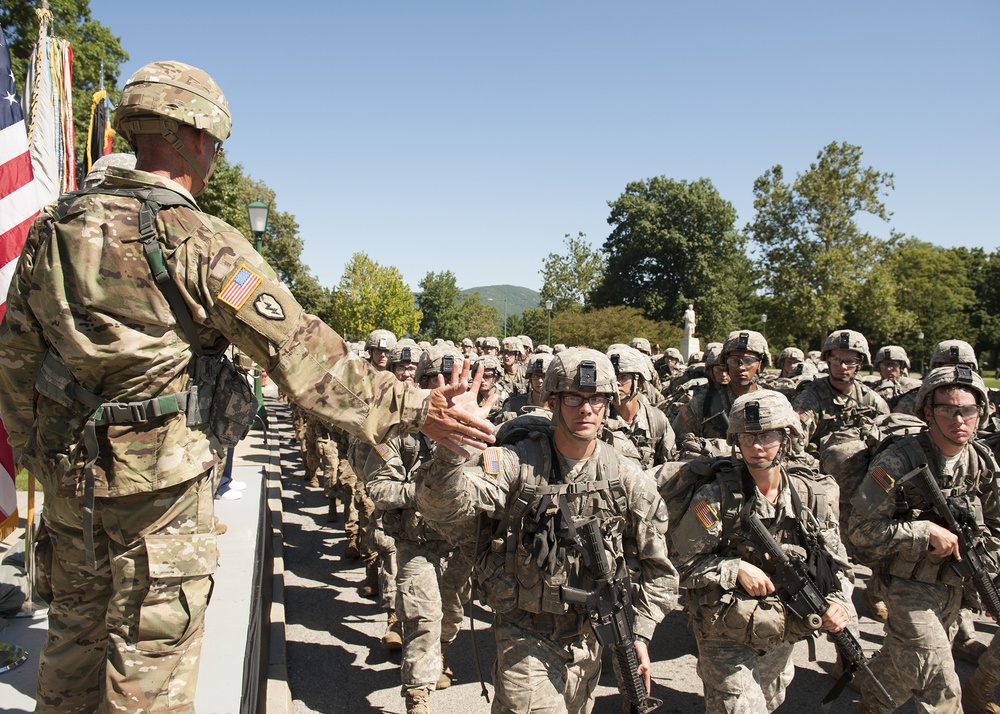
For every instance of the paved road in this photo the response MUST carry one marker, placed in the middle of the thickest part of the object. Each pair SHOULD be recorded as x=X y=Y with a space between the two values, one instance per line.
x=336 y=664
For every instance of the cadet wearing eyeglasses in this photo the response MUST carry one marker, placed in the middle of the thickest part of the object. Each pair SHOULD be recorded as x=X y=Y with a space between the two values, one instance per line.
x=891 y=525
x=745 y=355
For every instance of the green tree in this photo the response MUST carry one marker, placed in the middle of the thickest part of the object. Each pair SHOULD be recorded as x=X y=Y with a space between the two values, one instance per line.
x=478 y=318
x=983 y=273
x=92 y=43
x=372 y=296
x=813 y=256
x=673 y=243
x=439 y=302
x=598 y=328
x=570 y=278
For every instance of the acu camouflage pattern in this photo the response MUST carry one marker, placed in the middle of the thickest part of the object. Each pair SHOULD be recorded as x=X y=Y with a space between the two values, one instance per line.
x=83 y=284
x=923 y=595
x=433 y=577
x=745 y=643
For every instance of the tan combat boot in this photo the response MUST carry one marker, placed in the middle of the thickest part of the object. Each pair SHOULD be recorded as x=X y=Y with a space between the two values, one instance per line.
x=333 y=511
x=351 y=552
x=369 y=588
x=444 y=680
x=392 y=640
x=418 y=701
x=979 y=693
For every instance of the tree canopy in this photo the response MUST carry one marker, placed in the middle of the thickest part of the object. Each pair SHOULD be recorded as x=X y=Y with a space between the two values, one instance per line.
x=372 y=296
x=673 y=243
x=92 y=43
x=441 y=307
x=570 y=278
x=814 y=258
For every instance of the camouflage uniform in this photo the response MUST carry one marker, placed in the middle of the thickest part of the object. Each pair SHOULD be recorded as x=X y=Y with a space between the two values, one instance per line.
x=649 y=432
x=433 y=576
x=889 y=526
x=744 y=643
x=548 y=658
x=321 y=456
x=126 y=634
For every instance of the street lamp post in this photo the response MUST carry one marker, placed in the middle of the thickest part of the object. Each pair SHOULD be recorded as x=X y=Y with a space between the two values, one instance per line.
x=920 y=344
x=258 y=212
x=763 y=324
x=548 y=307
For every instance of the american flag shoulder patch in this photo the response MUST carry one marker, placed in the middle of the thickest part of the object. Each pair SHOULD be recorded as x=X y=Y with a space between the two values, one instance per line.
x=803 y=416
x=491 y=461
x=685 y=413
x=706 y=514
x=239 y=288
x=384 y=451
x=882 y=478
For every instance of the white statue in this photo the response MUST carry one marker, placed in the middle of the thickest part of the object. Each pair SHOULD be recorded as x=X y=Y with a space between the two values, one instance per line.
x=689 y=321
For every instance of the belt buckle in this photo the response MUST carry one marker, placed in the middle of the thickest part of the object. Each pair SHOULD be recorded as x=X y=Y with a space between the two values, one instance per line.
x=138 y=411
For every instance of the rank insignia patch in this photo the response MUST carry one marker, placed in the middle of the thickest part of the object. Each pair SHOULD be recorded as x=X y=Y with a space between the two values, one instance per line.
x=239 y=288
x=491 y=461
x=882 y=478
x=706 y=514
x=383 y=450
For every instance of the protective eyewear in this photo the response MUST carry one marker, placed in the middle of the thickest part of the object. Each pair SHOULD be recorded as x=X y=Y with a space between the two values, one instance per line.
x=597 y=401
x=764 y=438
x=745 y=360
x=966 y=412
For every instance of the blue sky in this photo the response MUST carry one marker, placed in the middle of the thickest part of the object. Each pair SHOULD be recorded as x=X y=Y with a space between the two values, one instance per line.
x=471 y=136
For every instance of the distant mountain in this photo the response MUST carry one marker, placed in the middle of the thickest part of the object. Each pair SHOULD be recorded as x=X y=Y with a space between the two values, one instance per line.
x=518 y=299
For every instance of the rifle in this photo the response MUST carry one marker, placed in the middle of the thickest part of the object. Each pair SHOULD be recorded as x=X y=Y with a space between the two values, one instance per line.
x=610 y=605
x=796 y=589
x=960 y=522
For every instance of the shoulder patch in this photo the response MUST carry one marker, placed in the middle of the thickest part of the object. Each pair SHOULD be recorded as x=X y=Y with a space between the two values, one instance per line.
x=384 y=451
x=706 y=514
x=491 y=461
x=882 y=478
x=803 y=415
x=267 y=306
x=239 y=288
x=685 y=413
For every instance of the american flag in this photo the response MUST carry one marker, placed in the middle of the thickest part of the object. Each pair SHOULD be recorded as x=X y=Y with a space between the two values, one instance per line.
x=239 y=288
x=18 y=207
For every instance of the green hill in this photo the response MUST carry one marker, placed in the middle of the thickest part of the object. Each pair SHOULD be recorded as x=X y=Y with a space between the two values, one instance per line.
x=518 y=299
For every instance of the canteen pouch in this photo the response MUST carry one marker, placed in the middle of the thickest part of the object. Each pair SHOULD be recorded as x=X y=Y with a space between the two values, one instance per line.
x=234 y=405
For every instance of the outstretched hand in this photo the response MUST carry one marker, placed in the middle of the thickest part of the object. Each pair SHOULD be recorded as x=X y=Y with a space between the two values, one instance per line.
x=455 y=419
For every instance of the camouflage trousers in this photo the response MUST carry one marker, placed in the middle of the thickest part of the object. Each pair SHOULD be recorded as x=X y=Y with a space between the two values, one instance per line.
x=432 y=587
x=126 y=636
x=990 y=661
x=321 y=456
x=738 y=680
x=534 y=673
x=380 y=546
x=916 y=657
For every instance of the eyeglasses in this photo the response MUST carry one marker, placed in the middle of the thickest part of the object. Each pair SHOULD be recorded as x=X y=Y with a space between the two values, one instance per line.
x=623 y=378
x=849 y=362
x=489 y=374
x=596 y=401
x=966 y=412
x=764 y=438
x=892 y=364
x=745 y=360
x=406 y=368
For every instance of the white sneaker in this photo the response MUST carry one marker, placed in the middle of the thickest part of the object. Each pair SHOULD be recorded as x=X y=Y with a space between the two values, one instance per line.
x=237 y=485
x=230 y=495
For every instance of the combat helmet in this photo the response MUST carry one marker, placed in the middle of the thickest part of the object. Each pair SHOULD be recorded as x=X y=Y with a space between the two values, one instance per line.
x=713 y=354
x=538 y=363
x=161 y=96
x=512 y=344
x=846 y=340
x=792 y=353
x=892 y=353
x=673 y=353
x=96 y=174
x=487 y=362
x=629 y=360
x=766 y=410
x=961 y=375
x=406 y=350
x=527 y=345
x=380 y=339
x=491 y=343
x=954 y=352
x=580 y=369
x=747 y=341
x=439 y=359
x=641 y=344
